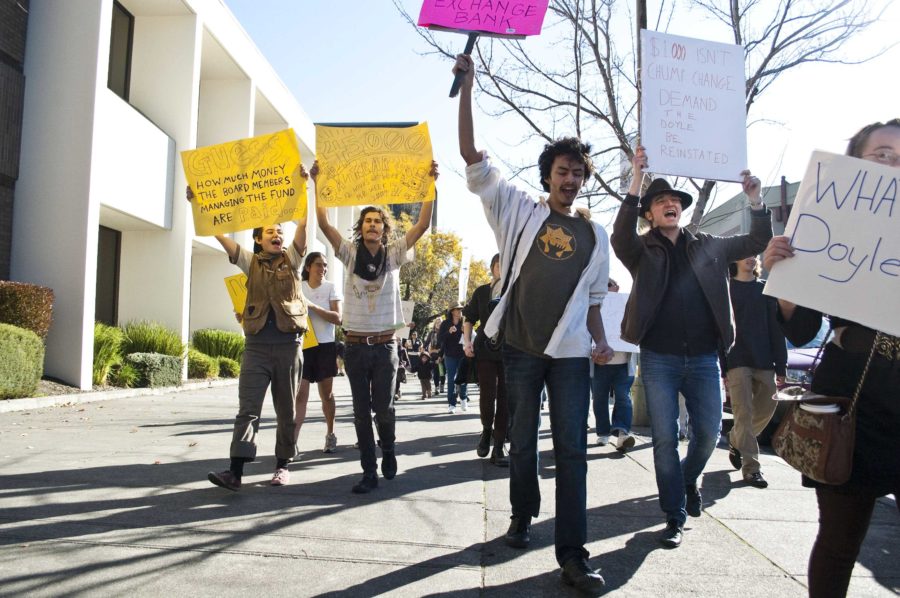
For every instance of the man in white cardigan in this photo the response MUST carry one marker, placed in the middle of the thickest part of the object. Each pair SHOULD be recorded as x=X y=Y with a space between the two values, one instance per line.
x=556 y=266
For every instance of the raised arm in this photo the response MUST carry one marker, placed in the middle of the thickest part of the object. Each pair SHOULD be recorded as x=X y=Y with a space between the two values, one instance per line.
x=467 y=149
x=300 y=233
x=331 y=233
x=418 y=229
x=227 y=243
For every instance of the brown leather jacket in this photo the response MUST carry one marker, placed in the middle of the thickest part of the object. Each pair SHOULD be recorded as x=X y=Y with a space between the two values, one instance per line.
x=274 y=284
x=647 y=260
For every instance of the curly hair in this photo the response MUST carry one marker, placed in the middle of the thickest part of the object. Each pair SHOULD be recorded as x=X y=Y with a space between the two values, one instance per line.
x=854 y=147
x=385 y=218
x=571 y=147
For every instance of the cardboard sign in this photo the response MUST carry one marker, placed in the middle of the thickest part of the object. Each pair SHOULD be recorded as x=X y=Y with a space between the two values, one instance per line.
x=373 y=165
x=237 y=290
x=502 y=18
x=844 y=227
x=693 y=117
x=246 y=183
x=613 y=311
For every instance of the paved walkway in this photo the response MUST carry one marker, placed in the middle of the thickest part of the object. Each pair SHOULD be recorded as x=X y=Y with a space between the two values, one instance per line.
x=110 y=498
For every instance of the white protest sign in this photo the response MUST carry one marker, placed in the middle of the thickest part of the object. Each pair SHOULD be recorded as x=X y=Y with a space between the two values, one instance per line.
x=612 y=312
x=844 y=228
x=693 y=118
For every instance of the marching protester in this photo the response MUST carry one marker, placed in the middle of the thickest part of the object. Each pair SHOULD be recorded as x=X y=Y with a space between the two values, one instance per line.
x=320 y=362
x=614 y=378
x=434 y=350
x=489 y=363
x=845 y=510
x=424 y=372
x=449 y=340
x=274 y=320
x=372 y=314
x=545 y=244
x=755 y=363
x=679 y=314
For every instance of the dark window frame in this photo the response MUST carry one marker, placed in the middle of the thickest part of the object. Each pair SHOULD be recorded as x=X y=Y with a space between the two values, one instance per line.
x=117 y=235
x=121 y=10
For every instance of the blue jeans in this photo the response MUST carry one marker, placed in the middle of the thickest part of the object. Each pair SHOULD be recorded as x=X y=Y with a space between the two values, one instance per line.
x=615 y=379
x=372 y=373
x=452 y=365
x=697 y=378
x=568 y=387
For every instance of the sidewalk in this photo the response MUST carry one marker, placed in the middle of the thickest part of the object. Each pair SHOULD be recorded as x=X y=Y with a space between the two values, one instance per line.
x=110 y=498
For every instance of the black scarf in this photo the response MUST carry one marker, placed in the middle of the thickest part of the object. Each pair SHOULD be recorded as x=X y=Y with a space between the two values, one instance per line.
x=368 y=266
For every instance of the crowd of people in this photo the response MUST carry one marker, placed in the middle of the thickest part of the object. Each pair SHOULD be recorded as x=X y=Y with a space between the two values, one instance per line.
x=696 y=311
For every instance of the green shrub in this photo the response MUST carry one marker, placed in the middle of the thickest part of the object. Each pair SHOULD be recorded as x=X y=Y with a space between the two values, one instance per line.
x=201 y=365
x=229 y=368
x=27 y=306
x=150 y=337
x=124 y=375
x=21 y=362
x=108 y=341
x=156 y=369
x=219 y=343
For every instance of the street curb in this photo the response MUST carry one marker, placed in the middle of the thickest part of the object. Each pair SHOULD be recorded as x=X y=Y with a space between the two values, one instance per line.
x=10 y=405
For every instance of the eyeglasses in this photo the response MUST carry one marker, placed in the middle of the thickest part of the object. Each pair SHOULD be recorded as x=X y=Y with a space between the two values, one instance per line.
x=884 y=157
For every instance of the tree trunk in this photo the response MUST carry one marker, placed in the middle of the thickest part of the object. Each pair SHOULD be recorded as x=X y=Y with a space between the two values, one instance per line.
x=700 y=205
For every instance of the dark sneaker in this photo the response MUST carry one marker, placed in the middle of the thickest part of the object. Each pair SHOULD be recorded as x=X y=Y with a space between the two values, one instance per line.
x=671 y=536
x=756 y=480
x=577 y=573
x=519 y=533
x=498 y=458
x=366 y=484
x=388 y=464
x=484 y=443
x=225 y=479
x=694 y=500
x=734 y=456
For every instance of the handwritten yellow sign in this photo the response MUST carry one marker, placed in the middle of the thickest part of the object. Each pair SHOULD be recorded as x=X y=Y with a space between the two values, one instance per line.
x=374 y=165
x=237 y=290
x=246 y=183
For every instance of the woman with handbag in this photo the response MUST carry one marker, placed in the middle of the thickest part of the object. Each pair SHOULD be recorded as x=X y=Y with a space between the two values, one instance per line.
x=863 y=363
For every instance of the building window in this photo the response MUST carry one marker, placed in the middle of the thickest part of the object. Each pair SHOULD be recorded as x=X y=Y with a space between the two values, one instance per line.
x=121 y=38
x=106 y=303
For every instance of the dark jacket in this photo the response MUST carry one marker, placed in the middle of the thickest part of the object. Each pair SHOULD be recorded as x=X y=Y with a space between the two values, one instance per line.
x=647 y=260
x=478 y=310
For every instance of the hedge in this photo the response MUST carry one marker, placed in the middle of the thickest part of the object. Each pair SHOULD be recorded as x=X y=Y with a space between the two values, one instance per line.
x=201 y=365
x=25 y=305
x=229 y=368
x=219 y=343
x=21 y=362
x=150 y=337
x=156 y=369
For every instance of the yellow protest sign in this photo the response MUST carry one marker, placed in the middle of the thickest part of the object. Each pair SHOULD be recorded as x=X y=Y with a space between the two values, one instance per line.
x=373 y=165
x=246 y=183
x=237 y=290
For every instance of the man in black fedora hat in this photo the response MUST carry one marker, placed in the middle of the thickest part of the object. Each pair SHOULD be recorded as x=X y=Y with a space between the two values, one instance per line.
x=680 y=315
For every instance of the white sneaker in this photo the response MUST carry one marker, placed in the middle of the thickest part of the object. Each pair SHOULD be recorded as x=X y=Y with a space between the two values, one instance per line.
x=465 y=405
x=451 y=409
x=624 y=442
x=602 y=440
x=330 y=443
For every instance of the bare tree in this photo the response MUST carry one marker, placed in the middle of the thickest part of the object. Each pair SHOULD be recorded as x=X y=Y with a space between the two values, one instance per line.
x=588 y=83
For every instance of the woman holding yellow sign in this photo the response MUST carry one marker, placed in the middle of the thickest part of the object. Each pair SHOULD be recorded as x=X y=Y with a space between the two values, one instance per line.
x=274 y=320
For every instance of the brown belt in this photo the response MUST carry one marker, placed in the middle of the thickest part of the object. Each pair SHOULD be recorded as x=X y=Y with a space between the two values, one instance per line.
x=374 y=339
x=857 y=339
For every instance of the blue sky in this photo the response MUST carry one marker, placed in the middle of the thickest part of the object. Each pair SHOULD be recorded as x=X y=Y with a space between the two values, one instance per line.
x=359 y=61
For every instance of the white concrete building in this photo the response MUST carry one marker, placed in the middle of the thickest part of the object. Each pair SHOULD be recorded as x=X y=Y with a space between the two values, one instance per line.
x=115 y=90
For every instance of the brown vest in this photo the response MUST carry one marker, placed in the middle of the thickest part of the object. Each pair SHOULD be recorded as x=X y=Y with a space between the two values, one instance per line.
x=274 y=284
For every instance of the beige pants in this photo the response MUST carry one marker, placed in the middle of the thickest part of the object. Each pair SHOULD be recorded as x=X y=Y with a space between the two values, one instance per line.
x=751 y=393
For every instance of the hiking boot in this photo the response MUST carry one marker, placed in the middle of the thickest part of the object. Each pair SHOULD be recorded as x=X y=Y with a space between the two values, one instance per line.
x=519 y=533
x=225 y=479
x=282 y=477
x=330 y=443
x=694 y=502
x=484 y=443
x=366 y=484
x=672 y=535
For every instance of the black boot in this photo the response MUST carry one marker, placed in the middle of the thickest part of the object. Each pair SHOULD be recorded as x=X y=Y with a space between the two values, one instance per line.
x=484 y=443
x=497 y=457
